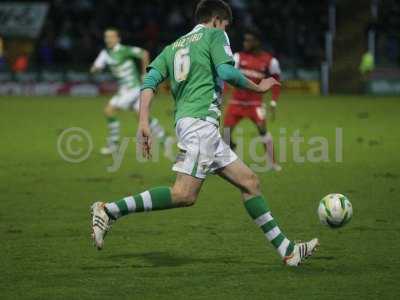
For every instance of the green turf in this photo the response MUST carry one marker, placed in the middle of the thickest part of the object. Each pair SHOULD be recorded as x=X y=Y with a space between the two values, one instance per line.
x=211 y=250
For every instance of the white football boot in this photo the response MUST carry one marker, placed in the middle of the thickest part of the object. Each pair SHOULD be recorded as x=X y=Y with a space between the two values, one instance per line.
x=110 y=149
x=101 y=224
x=301 y=252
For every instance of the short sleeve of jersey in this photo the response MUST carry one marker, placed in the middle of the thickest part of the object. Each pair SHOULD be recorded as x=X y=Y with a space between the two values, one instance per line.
x=274 y=67
x=220 y=48
x=160 y=64
x=136 y=52
x=101 y=60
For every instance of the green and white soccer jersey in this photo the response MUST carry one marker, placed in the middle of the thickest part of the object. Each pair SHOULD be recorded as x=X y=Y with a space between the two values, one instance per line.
x=190 y=64
x=120 y=61
x=126 y=99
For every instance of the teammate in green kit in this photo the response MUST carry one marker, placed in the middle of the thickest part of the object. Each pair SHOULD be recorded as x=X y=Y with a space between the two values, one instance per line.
x=120 y=60
x=196 y=64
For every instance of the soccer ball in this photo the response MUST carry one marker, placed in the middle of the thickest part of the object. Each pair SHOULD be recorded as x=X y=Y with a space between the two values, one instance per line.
x=335 y=210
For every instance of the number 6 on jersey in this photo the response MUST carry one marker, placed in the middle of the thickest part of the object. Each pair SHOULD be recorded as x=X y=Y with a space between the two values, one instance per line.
x=181 y=64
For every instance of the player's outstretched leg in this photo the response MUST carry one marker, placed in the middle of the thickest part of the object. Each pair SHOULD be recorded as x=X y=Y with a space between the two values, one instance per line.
x=256 y=205
x=183 y=193
x=269 y=146
x=269 y=150
x=113 y=131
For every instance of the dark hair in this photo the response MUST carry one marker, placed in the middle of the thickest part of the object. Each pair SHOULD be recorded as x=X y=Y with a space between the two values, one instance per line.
x=115 y=29
x=254 y=31
x=207 y=9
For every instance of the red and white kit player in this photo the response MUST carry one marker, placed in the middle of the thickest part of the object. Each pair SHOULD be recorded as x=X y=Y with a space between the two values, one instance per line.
x=255 y=64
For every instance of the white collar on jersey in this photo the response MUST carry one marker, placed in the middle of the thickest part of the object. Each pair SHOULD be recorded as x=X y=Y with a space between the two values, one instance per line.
x=196 y=28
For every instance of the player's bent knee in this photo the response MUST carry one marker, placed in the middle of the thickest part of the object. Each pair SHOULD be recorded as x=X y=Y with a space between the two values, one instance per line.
x=183 y=198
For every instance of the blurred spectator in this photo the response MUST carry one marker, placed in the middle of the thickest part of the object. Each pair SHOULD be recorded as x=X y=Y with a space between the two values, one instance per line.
x=175 y=19
x=46 y=51
x=2 y=59
x=64 y=43
x=367 y=64
x=21 y=63
x=151 y=33
x=388 y=28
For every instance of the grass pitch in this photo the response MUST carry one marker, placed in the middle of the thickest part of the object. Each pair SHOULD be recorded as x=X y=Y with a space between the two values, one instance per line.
x=211 y=250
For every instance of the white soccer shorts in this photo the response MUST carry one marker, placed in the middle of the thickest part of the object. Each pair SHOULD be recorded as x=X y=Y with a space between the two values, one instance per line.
x=202 y=150
x=126 y=99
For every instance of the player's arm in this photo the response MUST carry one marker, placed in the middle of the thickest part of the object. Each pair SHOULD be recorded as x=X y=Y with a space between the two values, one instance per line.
x=158 y=72
x=222 y=58
x=100 y=63
x=233 y=76
x=150 y=83
x=144 y=132
x=143 y=55
x=275 y=71
x=145 y=61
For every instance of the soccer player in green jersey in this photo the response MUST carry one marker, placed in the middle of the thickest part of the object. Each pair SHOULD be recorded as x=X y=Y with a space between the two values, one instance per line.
x=120 y=60
x=196 y=64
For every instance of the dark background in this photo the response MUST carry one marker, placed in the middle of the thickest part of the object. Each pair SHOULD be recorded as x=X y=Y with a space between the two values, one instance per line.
x=293 y=30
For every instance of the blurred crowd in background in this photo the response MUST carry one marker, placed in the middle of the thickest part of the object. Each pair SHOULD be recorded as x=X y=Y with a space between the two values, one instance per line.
x=73 y=32
x=388 y=33
x=293 y=30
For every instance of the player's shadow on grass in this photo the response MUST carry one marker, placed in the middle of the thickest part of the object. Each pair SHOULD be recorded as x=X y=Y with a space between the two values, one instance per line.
x=167 y=259
x=323 y=258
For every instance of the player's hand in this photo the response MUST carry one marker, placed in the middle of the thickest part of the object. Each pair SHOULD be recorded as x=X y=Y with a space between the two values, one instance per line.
x=144 y=139
x=267 y=83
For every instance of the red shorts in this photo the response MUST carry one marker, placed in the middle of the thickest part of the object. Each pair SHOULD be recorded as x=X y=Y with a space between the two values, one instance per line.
x=234 y=113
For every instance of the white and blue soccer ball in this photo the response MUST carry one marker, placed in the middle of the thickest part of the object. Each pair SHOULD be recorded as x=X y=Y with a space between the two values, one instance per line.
x=335 y=210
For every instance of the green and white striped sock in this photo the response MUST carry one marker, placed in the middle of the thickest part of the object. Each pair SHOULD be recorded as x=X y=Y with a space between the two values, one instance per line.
x=261 y=215
x=158 y=198
x=113 y=130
